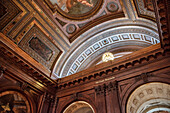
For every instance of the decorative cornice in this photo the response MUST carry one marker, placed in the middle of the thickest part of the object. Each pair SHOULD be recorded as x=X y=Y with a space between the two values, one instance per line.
x=162 y=9
x=143 y=56
x=12 y=58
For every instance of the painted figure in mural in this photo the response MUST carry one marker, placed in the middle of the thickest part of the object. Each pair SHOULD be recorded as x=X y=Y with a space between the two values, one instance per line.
x=71 y=3
x=76 y=6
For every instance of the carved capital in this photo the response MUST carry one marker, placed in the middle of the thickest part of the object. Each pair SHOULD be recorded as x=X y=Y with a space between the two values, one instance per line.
x=75 y=96
x=100 y=90
x=49 y=98
x=144 y=77
x=112 y=86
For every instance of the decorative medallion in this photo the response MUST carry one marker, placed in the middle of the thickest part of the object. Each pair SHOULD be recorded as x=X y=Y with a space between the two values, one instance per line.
x=107 y=56
x=71 y=28
x=76 y=9
x=112 y=6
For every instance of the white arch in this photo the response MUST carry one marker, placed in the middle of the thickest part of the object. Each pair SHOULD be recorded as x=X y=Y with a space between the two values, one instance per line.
x=77 y=105
x=149 y=97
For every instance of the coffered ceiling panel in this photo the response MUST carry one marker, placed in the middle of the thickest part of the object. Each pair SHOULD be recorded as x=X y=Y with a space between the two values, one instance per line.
x=37 y=45
x=8 y=11
x=145 y=9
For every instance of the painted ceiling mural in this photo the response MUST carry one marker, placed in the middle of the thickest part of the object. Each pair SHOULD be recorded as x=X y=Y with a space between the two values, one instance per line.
x=76 y=7
x=67 y=36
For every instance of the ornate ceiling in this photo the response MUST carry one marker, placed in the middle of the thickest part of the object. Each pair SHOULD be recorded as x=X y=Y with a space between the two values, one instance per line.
x=67 y=36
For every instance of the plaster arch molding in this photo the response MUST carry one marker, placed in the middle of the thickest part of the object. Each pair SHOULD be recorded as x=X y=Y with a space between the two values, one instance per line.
x=132 y=38
x=79 y=107
x=149 y=98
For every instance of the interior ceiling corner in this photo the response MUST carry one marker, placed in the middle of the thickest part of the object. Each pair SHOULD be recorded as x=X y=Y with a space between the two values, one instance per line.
x=66 y=39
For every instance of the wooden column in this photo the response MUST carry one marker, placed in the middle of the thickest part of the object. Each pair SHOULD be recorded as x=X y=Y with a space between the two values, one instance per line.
x=51 y=103
x=101 y=98
x=41 y=103
x=48 y=104
x=55 y=105
x=112 y=98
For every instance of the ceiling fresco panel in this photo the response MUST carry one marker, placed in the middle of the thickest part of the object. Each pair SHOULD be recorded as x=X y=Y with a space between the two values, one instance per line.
x=75 y=7
x=38 y=46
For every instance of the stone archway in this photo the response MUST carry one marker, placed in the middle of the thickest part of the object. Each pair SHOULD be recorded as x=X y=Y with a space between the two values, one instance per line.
x=150 y=98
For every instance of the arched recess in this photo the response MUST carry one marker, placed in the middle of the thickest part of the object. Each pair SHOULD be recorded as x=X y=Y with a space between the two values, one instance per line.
x=133 y=84
x=79 y=107
x=149 y=98
x=83 y=98
x=19 y=98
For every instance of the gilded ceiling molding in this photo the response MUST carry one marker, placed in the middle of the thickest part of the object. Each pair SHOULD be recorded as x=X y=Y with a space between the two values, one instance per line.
x=88 y=35
x=29 y=15
x=10 y=29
